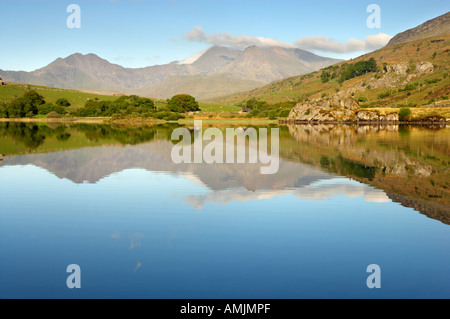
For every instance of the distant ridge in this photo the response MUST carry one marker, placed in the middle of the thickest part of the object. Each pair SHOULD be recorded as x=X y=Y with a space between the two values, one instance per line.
x=431 y=28
x=231 y=70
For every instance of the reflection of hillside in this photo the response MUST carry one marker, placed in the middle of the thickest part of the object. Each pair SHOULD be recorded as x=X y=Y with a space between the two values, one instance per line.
x=409 y=162
x=431 y=209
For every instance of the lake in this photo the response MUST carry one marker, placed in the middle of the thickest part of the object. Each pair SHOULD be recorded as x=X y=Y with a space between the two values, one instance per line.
x=111 y=200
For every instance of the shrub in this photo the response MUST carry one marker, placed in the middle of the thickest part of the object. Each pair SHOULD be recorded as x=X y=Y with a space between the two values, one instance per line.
x=62 y=102
x=272 y=115
x=53 y=115
x=362 y=99
x=284 y=113
x=384 y=95
x=404 y=114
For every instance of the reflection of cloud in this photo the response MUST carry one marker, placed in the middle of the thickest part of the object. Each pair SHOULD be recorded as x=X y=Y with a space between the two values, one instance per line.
x=139 y=264
x=135 y=240
x=224 y=197
x=115 y=235
x=325 y=192
x=318 y=191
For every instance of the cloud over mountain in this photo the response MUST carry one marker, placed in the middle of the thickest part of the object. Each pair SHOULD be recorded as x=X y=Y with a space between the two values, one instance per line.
x=324 y=44
x=314 y=43
x=197 y=34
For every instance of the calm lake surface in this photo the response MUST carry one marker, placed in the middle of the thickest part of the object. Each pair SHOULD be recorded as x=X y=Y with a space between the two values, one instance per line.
x=111 y=200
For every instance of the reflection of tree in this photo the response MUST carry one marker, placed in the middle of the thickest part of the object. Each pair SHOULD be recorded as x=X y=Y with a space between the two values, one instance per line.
x=126 y=135
x=33 y=135
x=29 y=134
x=345 y=166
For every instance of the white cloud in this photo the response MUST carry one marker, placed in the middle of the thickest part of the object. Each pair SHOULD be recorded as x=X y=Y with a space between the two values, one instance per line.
x=324 y=44
x=239 y=42
x=315 y=43
x=375 y=42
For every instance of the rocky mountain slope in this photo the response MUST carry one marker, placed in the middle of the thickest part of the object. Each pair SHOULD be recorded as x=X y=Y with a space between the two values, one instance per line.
x=413 y=74
x=431 y=28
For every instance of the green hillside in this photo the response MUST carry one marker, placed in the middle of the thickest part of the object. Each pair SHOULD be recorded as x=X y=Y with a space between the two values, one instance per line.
x=201 y=87
x=77 y=99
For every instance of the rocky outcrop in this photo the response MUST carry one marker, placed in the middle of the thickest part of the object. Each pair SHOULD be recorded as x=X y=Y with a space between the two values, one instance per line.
x=336 y=109
x=399 y=68
x=424 y=67
x=374 y=116
x=331 y=110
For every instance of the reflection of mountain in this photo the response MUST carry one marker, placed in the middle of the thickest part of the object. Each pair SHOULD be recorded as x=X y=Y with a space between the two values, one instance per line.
x=227 y=182
x=409 y=164
x=93 y=164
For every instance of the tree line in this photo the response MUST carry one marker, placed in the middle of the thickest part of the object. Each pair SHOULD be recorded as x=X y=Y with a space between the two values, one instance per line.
x=348 y=71
x=32 y=104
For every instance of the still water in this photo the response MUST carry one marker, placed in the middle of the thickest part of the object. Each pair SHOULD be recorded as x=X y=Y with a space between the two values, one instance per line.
x=111 y=200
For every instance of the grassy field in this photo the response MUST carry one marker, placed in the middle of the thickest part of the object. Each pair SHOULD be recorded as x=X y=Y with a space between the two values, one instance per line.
x=218 y=108
x=77 y=99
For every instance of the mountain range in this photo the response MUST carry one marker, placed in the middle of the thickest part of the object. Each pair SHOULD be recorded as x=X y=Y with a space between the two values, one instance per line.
x=216 y=71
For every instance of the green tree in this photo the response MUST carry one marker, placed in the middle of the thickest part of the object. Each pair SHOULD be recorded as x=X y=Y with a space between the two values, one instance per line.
x=182 y=103
x=404 y=114
x=62 y=102
x=325 y=76
x=25 y=106
x=272 y=115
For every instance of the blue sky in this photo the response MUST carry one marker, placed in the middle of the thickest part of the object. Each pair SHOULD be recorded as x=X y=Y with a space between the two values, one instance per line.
x=139 y=33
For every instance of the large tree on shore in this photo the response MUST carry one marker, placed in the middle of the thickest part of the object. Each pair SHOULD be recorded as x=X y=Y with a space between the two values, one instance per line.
x=182 y=103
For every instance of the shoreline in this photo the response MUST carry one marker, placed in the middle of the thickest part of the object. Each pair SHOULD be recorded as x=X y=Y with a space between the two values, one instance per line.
x=95 y=120
x=254 y=121
x=417 y=123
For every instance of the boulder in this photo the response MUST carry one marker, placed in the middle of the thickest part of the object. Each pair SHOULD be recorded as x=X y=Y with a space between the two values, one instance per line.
x=424 y=67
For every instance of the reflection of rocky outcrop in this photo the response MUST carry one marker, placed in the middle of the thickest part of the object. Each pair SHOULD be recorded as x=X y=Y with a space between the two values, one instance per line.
x=389 y=161
x=431 y=209
x=403 y=161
